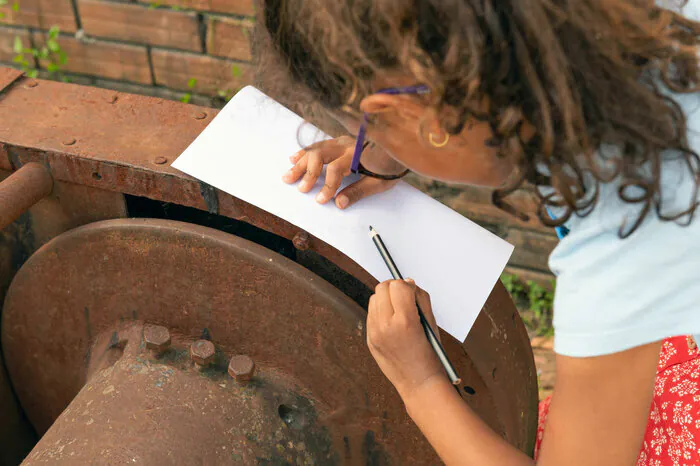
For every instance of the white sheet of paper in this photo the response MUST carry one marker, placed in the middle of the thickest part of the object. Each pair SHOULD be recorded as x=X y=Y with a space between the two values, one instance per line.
x=245 y=151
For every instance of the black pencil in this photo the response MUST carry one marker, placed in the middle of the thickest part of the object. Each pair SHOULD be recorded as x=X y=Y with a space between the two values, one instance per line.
x=432 y=339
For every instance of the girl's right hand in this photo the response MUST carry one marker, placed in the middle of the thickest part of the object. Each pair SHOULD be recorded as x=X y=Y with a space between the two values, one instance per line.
x=337 y=155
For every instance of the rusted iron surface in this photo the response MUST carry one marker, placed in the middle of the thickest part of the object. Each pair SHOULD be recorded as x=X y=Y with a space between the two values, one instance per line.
x=500 y=349
x=139 y=410
x=119 y=146
x=196 y=281
x=22 y=190
x=7 y=77
x=68 y=206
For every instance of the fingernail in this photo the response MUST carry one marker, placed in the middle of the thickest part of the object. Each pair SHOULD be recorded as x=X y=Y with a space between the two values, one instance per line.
x=321 y=198
x=287 y=177
x=410 y=280
x=304 y=185
x=342 y=201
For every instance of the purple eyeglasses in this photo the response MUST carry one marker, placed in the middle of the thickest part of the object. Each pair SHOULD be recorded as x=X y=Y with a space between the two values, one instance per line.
x=360 y=145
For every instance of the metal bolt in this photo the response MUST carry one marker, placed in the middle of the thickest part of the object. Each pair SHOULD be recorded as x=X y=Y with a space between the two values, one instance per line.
x=241 y=368
x=200 y=116
x=69 y=142
x=31 y=84
x=302 y=241
x=202 y=353
x=157 y=338
x=160 y=160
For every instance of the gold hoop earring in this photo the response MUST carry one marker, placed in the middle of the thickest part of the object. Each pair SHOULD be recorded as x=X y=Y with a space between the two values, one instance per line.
x=443 y=143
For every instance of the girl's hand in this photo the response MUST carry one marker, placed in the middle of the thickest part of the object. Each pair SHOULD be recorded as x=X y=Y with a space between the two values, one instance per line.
x=337 y=154
x=396 y=338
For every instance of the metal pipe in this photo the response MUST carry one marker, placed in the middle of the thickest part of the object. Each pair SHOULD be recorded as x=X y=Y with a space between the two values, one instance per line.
x=21 y=190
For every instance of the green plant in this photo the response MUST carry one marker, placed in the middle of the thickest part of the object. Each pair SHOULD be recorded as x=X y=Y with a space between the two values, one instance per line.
x=540 y=298
x=185 y=99
x=49 y=53
x=535 y=302
x=513 y=285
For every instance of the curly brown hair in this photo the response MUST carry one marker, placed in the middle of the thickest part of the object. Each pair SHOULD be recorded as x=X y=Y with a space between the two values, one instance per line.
x=584 y=73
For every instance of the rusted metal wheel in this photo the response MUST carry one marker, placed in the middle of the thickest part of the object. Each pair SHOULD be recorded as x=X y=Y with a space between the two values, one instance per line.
x=73 y=337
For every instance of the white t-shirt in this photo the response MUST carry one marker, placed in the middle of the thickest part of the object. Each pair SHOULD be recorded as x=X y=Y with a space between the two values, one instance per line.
x=614 y=294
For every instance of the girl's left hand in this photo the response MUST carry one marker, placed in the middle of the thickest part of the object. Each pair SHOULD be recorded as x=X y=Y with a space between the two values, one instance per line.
x=396 y=338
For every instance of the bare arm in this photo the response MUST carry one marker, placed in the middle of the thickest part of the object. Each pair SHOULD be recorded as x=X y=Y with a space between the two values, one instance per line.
x=598 y=413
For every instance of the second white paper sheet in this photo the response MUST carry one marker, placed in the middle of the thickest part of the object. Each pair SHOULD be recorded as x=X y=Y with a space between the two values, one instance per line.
x=245 y=151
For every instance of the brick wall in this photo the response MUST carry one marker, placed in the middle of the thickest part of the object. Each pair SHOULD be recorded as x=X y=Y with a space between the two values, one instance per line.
x=202 y=49
x=167 y=48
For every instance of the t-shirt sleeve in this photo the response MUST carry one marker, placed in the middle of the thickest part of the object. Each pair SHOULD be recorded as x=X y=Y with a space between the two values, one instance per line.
x=614 y=294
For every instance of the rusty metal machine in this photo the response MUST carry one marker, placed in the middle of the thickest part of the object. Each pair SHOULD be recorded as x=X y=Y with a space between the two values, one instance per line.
x=151 y=319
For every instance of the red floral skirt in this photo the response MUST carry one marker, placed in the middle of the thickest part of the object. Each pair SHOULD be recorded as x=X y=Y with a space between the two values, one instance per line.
x=673 y=430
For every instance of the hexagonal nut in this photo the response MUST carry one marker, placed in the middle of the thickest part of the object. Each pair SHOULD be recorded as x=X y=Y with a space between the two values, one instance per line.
x=241 y=368
x=202 y=352
x=157 y=338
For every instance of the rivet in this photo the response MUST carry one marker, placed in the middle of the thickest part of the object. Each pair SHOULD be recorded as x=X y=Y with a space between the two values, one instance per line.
x=241 y=368
x=69 y=142
x=202 y=353
x=160 y=160
x=200 y=116
x=31 y=84
x=301 y=241
x=157 y=338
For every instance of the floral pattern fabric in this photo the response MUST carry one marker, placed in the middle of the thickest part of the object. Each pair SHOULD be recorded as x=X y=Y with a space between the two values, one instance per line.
x=672 y=436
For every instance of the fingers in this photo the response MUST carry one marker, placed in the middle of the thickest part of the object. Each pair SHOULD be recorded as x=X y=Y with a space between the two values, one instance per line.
x=383 y=307
x=365 y=187
x=423 y=299
x=335 y=172
x=314 y=167
x=296 y=172
x=309 y=162
x=403 y=298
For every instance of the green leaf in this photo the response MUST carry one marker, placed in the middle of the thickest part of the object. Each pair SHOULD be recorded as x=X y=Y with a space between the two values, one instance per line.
x=62 y=57
x=2 y=15
x=53 y=32
x=185 y=99
x=52 y=68
x=65 y=79
x=15 y=7
x=3 y=2
x=192 y=83
x=19 y=59
x=33 y=73
x=18 y=46
x=53 y=45
x=236 y=71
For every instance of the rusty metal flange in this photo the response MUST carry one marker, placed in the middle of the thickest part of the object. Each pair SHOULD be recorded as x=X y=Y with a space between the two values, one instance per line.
x=197 y=281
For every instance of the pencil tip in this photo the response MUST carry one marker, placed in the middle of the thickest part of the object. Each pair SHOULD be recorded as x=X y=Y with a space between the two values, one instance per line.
x=372 y=232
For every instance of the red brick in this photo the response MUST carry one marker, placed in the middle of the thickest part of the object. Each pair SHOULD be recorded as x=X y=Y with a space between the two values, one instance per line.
x=7 y=43
x=229 y=38
x=137 y=23
x=234 y=7
x=98 y=58
x=176 y=69
x=42 y=14
x=532 y=249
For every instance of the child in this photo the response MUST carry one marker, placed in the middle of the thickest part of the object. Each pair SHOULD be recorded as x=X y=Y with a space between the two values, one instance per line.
x=591 y=105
